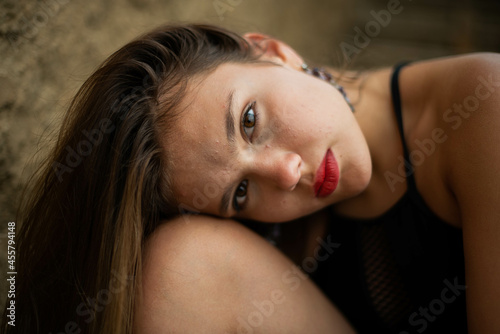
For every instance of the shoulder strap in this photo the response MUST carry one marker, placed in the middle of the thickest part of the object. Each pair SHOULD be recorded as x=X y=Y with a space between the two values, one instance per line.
x=396 y=101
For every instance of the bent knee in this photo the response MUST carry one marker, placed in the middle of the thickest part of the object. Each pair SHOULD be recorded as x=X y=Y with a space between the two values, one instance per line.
x=194 y=270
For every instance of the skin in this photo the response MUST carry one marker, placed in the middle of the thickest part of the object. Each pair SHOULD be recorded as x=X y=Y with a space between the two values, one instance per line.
x=300 y=117
x=207 y=275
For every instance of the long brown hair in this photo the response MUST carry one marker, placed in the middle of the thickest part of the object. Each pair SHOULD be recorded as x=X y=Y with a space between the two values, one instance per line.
x=105 y=186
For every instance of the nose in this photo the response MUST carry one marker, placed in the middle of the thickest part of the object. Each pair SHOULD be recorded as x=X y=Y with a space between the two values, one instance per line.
x=279 y=167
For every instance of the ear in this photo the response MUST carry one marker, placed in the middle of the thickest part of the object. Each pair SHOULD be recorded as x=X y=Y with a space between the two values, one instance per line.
x=275 y=50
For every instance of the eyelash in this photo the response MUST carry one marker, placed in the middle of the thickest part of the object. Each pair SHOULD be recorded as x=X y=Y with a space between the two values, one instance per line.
x=244 y=183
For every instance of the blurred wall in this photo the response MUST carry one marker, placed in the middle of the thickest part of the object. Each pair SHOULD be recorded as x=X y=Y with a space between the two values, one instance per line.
x=49 y=47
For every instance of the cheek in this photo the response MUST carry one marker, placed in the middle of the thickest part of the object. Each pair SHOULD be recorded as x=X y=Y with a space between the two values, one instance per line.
x=303 y=111
x=304 y=124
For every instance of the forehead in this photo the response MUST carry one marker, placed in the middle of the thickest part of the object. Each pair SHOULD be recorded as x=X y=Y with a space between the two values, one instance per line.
x=198 y=148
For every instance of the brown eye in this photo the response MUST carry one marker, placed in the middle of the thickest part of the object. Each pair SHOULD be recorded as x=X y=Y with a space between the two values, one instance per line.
x=242 y=189
x=249 y=120
x=240 y=195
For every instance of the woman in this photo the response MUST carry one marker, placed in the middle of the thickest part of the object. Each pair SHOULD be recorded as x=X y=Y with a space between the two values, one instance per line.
x=198 y=119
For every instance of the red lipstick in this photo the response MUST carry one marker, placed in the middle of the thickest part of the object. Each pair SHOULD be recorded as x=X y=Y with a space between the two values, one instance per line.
x=327 y=176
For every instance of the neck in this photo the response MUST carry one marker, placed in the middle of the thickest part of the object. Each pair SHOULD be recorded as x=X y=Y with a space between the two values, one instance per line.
x=371 y=96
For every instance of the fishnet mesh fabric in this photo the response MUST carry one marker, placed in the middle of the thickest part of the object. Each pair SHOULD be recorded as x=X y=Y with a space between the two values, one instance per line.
x=384 y=282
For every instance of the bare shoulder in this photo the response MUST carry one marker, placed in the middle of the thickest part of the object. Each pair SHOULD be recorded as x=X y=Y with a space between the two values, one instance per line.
x=208 y=275
x=457 y=99
x=468 y=116
x=470 y=80
x=458 y=65
x=472 y=123
x=450 y=106
x=447 y=80
x=455 y=109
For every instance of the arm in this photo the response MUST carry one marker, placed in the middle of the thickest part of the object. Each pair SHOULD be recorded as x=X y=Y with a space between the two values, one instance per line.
x=216 y=276
x=474 y=158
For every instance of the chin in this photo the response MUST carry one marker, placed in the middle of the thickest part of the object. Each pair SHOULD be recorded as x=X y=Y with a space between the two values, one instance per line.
x=356 y=181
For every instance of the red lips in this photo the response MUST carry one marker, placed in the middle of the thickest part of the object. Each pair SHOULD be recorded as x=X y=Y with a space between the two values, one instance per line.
x=327 y=176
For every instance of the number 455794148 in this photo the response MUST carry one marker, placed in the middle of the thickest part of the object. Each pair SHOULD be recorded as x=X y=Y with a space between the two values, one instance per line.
x=11 y=252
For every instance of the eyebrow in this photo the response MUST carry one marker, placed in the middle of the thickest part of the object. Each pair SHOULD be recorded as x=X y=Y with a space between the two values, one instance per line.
x=230 y=133
x=230 y=118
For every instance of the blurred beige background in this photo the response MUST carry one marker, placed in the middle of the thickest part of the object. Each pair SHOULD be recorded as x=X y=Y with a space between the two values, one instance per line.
x=49 y=47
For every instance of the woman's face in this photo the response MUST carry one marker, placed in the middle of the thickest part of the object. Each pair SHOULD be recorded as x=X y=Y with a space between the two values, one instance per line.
x=254 y=141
